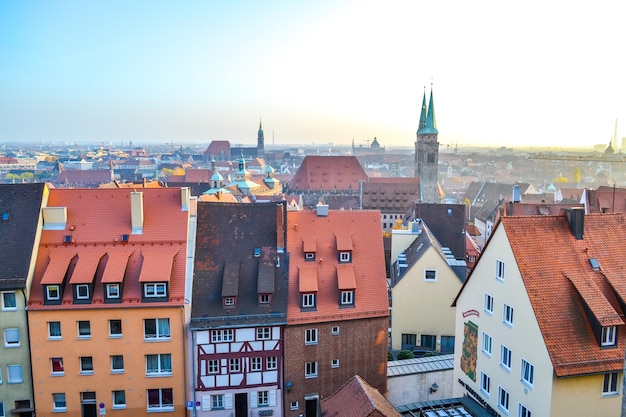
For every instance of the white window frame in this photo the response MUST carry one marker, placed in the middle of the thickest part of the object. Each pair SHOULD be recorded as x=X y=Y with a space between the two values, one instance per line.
x=345 y=257
x=334 y=330
x=161 y=406
x=11 y=342
x=157 y=335
x=62 y=366
x=487 y=347
x=13 y=379
x=155 y=289
x=160 y=370
x=610 y=384
x=334 y=363
x=264 y=298
x=50 y=289
x=608 y=336
x=310 y=370
x=85 y=294
x=347 y=297
x=59 y=402
x=524 y=411
x=234 y=365
x=50 y=336
x=2 y=409
x=114 y=400
x=229 y=301
x=6 y=295
x=503 y=399
x=485 y=384
x=294 y=405
x=263 y=333
x=309 y=256
x=86 y=362
x=113 y=290
x=507 y=315
x=428 y=272
x=222 y=335
x=263 y=398
x=499 y=270
x=115 y=335
x=308 y=300
x=310 y=337
x=113 y=359
x=505 y=357
x=79 y=329
x=217 y=402
x=256 y=363
x=488 y=307
x=527 y=373
x=271 y=363
x=213 y=366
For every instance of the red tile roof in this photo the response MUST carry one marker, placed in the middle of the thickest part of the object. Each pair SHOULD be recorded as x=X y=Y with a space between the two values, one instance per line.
x=560 y=281
x=368 y=263
x=357 y=398
x=98 y=222
x=328 y=173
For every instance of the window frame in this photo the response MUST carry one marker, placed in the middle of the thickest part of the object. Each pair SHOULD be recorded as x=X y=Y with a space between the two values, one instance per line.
x=86 y=365
x=508 y=315
x=159 y=289
x=485 y=384
x=487 y=342
x=264 y=333
x=347 y=297
x=54 y=337
x=217 y=401
x=311 y=336
x=334 y=363
x=10 y=378
x=222 y=335
x=83 y=296
x=271 y=363
x=428 y=272
x=263 y=399
x=308 y=300
x=256 y=364
x=503 y=399
x=523 y=411
x=505 y=357
x=81 y=327
x=335 y=330
x=9 y=343
x=6 y=295
x=527 y=373
x=230 y=301
x=56 y=366
x=212 y=366
x=499 y=270
x=117 y=334
x=50 y=289
x=114 y=369
x=265 y=298
x=161 y=406
x=310 y=370
x=610 y=384
x=345 y=257
x=234 y=365
x=113 y=291
x=115 y=405
x=488 y=305
x=59 y=402
x=160 y=369
x=148 y=337
x=608 y=336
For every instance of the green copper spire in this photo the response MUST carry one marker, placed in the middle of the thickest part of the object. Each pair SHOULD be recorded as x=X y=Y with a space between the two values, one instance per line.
x=428 y=124
x=422 y=124
x=431 y=122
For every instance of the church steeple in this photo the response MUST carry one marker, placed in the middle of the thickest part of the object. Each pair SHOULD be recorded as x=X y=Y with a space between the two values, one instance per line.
x=260 y=142
x=422 y=123
x=431 y=122
x=427 y=152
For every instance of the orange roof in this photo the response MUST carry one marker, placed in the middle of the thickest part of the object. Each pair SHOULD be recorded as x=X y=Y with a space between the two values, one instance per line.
x=99 y=223
x=345 y=277
x=328 y=173
x=310 y=245
x=307 y=278
x=368 y=265
x=357 y=398
x=344 y=243
x=560 y=281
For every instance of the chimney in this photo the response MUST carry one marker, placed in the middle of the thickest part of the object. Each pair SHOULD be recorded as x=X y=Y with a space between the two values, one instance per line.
x=54 y=218
x=184 y=198
x=576 y=219
x=322 y=210
x=516 y=198
x=136 y=211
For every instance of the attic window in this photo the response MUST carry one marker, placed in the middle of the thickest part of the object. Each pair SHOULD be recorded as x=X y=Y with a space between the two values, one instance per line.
x=345 y=257
x=229 y=301
x=257 y=252
x=5 y=216
x=309 y=256
x=608 y=336
x=595 y=264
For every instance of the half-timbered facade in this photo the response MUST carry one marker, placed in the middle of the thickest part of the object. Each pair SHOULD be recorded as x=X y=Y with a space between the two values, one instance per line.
x=239 y=309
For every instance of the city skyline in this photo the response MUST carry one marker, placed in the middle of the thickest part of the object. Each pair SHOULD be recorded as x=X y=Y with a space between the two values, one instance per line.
x=531 y=74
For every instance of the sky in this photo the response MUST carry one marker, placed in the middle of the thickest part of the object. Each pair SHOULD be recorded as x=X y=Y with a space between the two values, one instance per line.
x=532 y=73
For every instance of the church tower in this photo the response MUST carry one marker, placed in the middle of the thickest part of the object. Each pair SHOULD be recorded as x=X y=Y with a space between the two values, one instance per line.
x=260 y=143
x=427 y=152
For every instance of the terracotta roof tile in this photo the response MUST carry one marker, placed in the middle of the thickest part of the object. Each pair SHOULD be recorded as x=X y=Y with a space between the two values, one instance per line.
x=364 y=229
x=59 y=260
x=157 y=263
x=85 y=268
x=345 y=277
x=328 y=173
x=115 y=266
x=357 y=398
x=307 y=278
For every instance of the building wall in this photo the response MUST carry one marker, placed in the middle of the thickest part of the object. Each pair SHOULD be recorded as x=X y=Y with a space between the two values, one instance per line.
x=100 y=347
x=414 y=388
x=9 y=355
x=423 y=307
x=523 y=338
x=358 y=346
x=582 y=396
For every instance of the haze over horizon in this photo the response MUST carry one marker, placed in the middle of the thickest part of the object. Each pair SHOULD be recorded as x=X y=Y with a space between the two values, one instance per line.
x=503 y=74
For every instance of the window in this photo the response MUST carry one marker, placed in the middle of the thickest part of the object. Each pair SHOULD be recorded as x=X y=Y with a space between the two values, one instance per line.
x=334 y=363
x=57 y=366
x=234 y=365
x=431 y=158
x=345 y=257
x=272 y=362
x=488 y=304
x=119 y=399
x=213 y=366
x=430 y=275
x=293 y=405
x=113 y=290
x=115 y=328
x=11 y=338
x=53 y=292
x=309 y=256
x=447 y=344
x=156 y=329
x=508 y=315
x=117 y=364
x=347 y=297
x=82 y=291
x=86 y=365
x=155 y=289
x=485 y=383
x=264 y=298
x=217 y=401
x=84 y=329
x=310 y=370
x=226 y=335
x=9 y=303
x=229 y=301
x=263 y=333
x=335 y=330
x=15 y=374
x=1 y=409
x=505 y=357
x=609 y=387
x=54 y=330
x=310 y=337
x=159 y=364
x=59 y=402
x=263 y=398
x=608 y=336
x=308 y=300
x=487 y=341
x=524 y=412
x=161 y=399
x=256 y=364
x=428 y=340
x=500 y=270
x=503 y=399
x=408 y=341
x=528 y=373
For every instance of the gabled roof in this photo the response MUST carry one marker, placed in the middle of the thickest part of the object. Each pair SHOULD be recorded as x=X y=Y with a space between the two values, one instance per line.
x=565 y=292
x=86 y=178
x=218 y=149
x=368 y=264
x=97 y=237
x=357 y=398
x=237 y=255
x=328 y=173
x=20 y=207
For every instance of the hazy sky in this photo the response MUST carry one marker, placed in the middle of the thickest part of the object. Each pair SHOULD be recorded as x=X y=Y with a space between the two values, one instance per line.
x=508 y=73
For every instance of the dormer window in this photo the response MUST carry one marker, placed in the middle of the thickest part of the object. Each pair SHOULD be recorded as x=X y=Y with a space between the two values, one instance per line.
x=155 y=289
x=347 y=297
x=112 y=290
x=345 y=257
x=229 y=301
x=265 y=298
x=309 y=256
x=82 y=292
x=308 y=300
x=608 y=336
x=53 y=293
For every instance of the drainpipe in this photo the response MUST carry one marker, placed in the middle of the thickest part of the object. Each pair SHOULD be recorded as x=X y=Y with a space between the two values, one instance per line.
x=32 y=381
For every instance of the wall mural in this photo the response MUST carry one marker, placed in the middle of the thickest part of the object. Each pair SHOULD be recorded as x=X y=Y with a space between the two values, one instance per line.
x=470 y=350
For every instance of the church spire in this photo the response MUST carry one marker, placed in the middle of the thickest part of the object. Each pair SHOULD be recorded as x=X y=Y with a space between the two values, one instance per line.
x=422 y=124
x=431 y=122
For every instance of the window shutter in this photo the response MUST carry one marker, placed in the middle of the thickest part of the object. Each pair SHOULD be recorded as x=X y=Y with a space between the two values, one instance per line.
x=272 y=398
x=253 y=400
x=206 y=402
x=228 y=401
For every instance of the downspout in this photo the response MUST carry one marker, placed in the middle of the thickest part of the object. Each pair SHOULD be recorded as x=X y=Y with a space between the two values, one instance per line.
x=32 y=382
x=182 y=314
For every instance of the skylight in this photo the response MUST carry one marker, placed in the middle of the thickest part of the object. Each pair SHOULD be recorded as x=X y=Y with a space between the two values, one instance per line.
x=594 y=263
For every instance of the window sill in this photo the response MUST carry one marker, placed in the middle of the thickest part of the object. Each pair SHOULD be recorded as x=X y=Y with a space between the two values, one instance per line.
x=57 y=374
x=115 y=336
x=485 y=393
x=610 y=394
x=526 y=384
x=161 y=375
x=119 y=407
x=505 y=368
x=504 y=410
x=161 y=410
x=55 y=338
x=86 y=372
x=59 y=410
x=83 y=338
x=117 y=372
x=157 y=339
